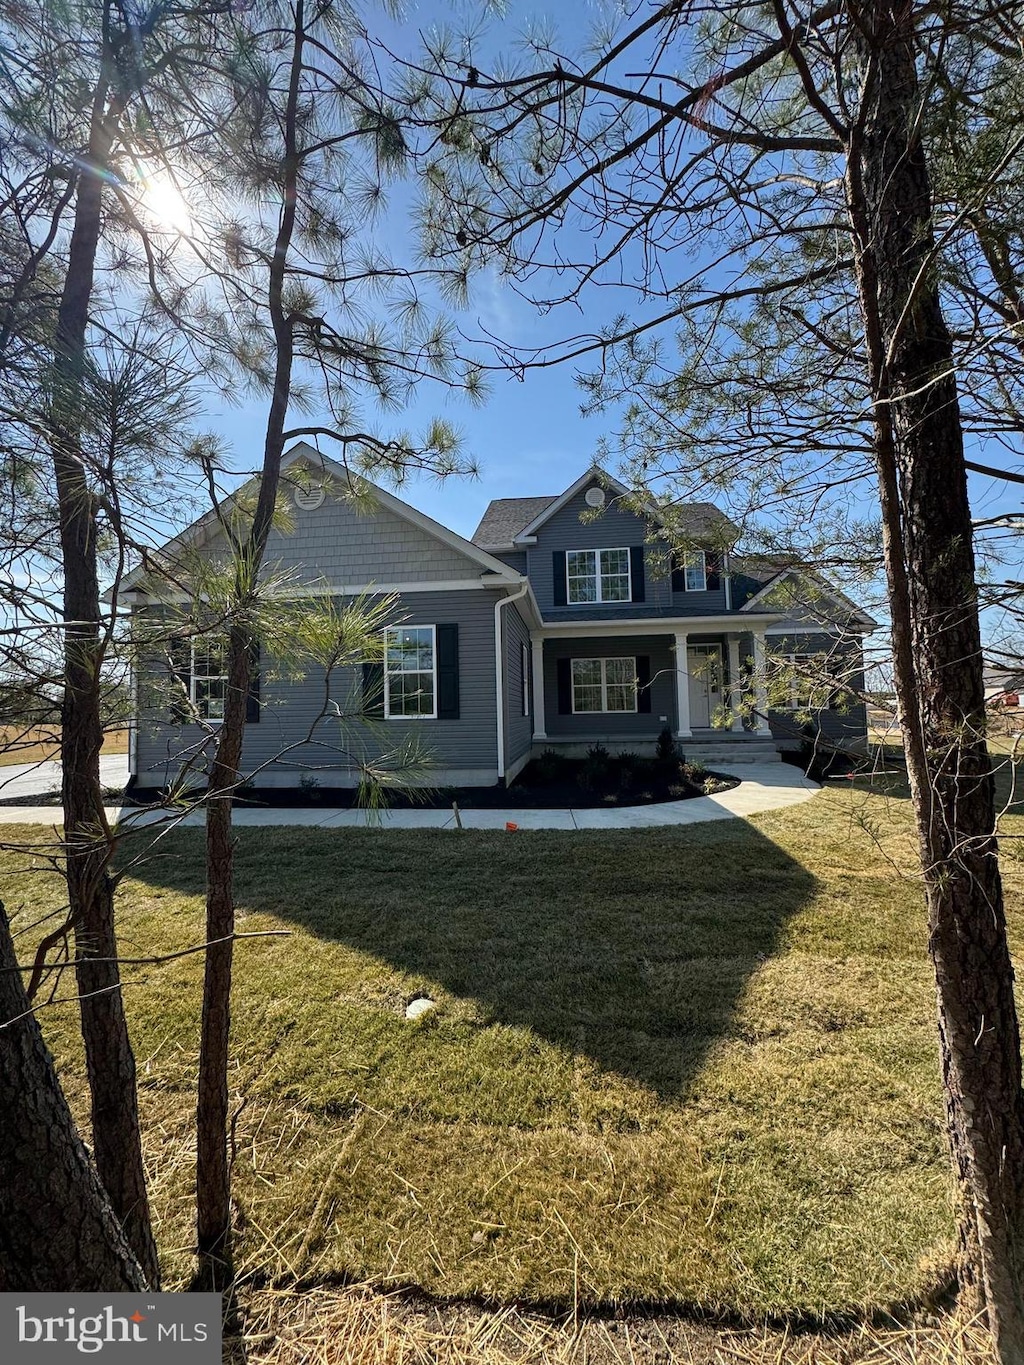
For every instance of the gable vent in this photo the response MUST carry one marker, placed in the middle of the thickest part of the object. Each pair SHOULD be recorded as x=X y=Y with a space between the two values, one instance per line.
x=308 y=499
x=594 y=497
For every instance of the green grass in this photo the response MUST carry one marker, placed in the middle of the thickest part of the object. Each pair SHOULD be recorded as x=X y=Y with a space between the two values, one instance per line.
x=695 y=1065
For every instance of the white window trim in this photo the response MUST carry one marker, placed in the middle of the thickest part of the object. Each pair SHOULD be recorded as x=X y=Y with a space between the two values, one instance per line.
x=796 y=681
x=421 y=715
x=604 y=711
x=193 y=677
x=611 y=601
x=524 y=664
x=696 y=559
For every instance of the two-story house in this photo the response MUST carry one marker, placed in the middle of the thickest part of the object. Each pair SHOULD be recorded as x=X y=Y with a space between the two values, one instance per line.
x=566 y=621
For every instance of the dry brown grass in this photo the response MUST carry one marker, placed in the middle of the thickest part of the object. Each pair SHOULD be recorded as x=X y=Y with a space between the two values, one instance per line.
x=360 y=1326
x=36 y=744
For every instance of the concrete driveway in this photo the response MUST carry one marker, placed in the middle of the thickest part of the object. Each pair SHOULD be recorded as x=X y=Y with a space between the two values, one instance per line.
x=42 y=779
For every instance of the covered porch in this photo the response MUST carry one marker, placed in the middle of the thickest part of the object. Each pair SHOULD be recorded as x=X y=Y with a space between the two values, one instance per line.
x=703 y=680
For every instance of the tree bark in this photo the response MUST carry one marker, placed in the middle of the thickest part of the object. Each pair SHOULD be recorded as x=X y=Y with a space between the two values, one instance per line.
x=58 y=1231
x=937 y=648
x=110 y=1061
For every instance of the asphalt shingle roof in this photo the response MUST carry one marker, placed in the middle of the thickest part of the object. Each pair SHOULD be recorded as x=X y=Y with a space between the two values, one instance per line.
x=506 y=517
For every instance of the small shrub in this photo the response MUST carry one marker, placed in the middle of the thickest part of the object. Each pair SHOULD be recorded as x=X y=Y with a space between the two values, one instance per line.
x=550 y=766
x=596 y=767
x=309 y=786
x=628 y=766
x=665 y=746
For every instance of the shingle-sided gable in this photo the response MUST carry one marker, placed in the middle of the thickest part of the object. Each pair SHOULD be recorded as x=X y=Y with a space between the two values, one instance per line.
x=348 y=542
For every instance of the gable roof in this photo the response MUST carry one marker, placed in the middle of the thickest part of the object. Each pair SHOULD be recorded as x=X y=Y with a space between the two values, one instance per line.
x=509 y=522
x=796 y=572
x=593 y=475
x=206 y=526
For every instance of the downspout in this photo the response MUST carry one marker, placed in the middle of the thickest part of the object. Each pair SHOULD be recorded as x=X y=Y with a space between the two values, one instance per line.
x=499 y=671
x=133 y=719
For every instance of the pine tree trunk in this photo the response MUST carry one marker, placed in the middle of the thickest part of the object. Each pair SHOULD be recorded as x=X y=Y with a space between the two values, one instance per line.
x=109 y=1057
x=57 y=1229
x=213 y=1176
x=937 y=648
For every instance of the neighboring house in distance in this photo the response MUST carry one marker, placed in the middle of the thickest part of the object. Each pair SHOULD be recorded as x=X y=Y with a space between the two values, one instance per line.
x=561 y=624
x=1004 y=686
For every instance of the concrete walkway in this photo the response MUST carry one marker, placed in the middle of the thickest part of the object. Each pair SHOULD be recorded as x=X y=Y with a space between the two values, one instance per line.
x=765 y=786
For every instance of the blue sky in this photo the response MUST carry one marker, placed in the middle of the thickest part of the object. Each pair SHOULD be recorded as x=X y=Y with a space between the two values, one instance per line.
x=530 y=437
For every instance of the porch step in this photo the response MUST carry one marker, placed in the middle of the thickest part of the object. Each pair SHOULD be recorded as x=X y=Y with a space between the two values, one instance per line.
x=726 y=755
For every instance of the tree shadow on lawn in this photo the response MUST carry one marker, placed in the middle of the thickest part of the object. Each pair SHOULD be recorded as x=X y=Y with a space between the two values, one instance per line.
x=631 y=947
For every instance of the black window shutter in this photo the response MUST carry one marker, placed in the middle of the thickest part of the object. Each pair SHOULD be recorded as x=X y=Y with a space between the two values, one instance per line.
x=643 y=684
x=678 y=573
x=373 y=690
x=558 y=570
x=447 y=672
x=563 y=671
x=252 y=701
x=713 y=564
x=179 y=652
x=636 y=573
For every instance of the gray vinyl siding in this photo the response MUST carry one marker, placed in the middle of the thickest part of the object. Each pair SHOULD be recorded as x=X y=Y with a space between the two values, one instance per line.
x=515 y=559
x=844 y=723
x=288 y=705
x=700 y=603
x=518 y=728
x=611 y=724
x=614 y=529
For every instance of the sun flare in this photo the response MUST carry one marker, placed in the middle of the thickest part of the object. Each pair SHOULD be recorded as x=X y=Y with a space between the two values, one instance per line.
x=164 y=203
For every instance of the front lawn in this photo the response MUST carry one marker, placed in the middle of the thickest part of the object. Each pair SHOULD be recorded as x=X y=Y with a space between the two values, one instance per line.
x=693 y=1065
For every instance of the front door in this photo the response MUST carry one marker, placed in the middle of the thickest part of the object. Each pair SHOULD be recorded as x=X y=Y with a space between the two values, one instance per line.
x=704 y=666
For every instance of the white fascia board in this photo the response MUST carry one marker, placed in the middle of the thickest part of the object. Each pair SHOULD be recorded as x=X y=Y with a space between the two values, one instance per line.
x=349 y=589
x=529 y=600
x=661 y=625
x=526 y=536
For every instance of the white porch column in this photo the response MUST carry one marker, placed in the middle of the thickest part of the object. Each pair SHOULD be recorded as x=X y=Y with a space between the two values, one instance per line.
x=735 y=686
x=683 y=730
x=537 y=686
x=761 y=726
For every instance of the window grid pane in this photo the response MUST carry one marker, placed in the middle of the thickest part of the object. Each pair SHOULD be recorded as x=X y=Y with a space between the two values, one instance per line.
x=614 y=575
x=603 y=685
x=209 y=682
x=581 y=571
x=597 y=576
x=409 y=672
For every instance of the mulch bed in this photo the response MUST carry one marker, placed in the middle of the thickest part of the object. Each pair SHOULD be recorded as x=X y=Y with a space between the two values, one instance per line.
x=547 y=783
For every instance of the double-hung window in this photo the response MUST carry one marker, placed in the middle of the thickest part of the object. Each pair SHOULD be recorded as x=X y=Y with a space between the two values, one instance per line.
x=801 y=691
x=208 y=678
x=410 y=673
x=604 y=685
x=597 y=576
x=695 y=567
